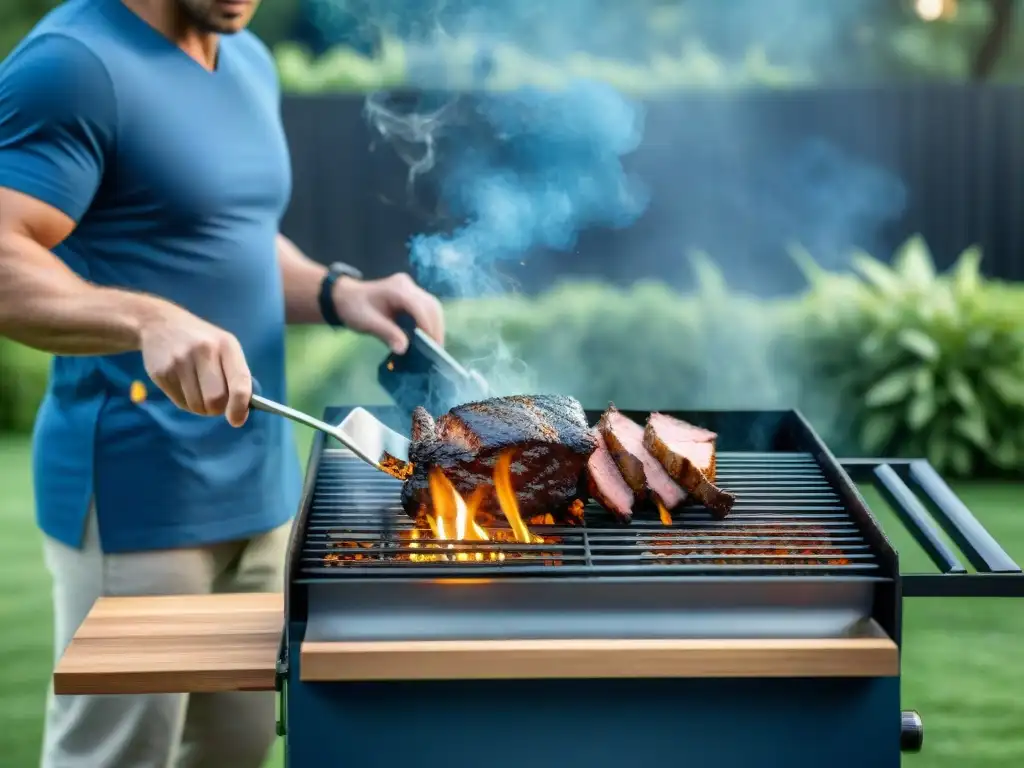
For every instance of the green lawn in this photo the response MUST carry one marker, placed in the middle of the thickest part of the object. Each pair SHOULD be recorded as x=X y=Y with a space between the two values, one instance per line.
x=962 y=658
x=25 y=621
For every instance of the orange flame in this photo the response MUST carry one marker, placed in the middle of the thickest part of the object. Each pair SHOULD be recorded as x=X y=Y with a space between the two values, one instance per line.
x=663 y=513
x=453 y=521
x=454 y=518
x=508 y=502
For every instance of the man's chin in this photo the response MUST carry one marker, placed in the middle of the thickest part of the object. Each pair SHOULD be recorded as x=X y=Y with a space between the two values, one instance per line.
x=226 y=27
x=226 y=23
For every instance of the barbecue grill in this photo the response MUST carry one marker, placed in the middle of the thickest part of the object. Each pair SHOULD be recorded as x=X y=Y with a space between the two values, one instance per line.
x=769 y=638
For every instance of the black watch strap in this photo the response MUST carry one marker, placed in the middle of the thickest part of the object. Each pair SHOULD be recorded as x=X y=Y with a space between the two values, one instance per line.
x=326 y=298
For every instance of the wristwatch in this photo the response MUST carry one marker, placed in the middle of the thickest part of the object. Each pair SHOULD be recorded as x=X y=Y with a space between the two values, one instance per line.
x=326 y=297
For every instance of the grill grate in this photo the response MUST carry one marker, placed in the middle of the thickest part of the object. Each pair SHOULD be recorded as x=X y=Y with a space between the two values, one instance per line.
x=787 y=520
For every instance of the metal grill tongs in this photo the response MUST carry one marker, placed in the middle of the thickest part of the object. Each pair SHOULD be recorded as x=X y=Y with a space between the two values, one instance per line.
x=363 y=433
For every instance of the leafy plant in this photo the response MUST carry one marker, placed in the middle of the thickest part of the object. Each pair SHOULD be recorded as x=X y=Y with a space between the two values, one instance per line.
x=23 y=376
x=884 y=359
x=924 y=364
x=455 y=64
x=645 y=347
x=341 y=69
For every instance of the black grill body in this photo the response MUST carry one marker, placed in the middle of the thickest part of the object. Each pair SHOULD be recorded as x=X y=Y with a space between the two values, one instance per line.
x=798 y=520
x=800 y=554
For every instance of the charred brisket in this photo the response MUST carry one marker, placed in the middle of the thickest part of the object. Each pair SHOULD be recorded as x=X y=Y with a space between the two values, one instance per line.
x=547 y=435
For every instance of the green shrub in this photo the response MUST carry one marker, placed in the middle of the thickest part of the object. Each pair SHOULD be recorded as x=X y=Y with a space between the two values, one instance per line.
x=896 y=361
x=642 y=347
x=883 y=360
x=23 y=376
x=924 y=364
x=455 y=65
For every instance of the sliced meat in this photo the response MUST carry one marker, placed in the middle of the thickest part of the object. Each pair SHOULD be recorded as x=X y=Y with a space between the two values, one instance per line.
x=547 y=435
x=625 y=439
x=606 y=485
x=687 y=453
x=630 y=465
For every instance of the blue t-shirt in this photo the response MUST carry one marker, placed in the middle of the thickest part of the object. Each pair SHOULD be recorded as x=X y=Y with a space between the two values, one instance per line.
x=177 y=178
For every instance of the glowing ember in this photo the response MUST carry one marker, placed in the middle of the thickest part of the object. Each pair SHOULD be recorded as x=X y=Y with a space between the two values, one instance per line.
x=769 y=546
x=397 y=468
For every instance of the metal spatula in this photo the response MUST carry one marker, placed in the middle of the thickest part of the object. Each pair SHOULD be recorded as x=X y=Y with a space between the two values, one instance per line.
x=361 y=432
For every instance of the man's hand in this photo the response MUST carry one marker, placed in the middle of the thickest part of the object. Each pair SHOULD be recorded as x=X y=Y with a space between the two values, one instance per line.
x=371 y=306
x=200 y=367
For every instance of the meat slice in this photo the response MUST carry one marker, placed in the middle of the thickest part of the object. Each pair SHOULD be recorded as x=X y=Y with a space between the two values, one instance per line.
x=630 y=465
x=642 y=471
x=687 y=452
x=549 y=439
x=606 y=485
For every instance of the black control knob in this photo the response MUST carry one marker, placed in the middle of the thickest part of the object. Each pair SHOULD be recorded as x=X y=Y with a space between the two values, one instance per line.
x=911 y=731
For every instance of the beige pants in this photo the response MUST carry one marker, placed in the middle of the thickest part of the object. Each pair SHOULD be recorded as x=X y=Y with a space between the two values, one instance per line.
x=202 y=730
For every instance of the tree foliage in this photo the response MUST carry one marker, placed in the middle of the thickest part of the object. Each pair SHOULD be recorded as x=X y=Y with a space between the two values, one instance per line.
x=825 y=42
x=17 y=17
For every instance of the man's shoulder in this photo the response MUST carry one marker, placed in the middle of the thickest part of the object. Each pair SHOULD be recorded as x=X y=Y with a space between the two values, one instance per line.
x=68 y=43
x=251 y=43
x=82 y=21
x=55 y=72
x=257 y=55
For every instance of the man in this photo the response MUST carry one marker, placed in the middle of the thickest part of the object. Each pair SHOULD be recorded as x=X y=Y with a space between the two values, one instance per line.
x=143 y=175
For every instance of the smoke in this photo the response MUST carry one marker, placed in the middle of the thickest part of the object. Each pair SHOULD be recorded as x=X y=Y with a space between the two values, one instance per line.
x=526 y=171
x=553 y=170
x=518 y=172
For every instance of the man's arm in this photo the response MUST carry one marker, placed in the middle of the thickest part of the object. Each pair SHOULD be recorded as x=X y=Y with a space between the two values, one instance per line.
x=57 y=123
x=57 y=127
x=368 y=306
x=45 y=305
x=302 y=277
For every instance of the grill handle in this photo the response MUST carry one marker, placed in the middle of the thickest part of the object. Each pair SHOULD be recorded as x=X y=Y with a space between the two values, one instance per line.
x=970 y=535
x=905 y=484
x=916 y=519
x=427 y=375
x=911 y=731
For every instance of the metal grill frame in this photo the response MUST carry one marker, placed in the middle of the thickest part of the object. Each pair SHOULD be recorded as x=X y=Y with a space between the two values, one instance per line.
x=739 y=431
x=357 y=529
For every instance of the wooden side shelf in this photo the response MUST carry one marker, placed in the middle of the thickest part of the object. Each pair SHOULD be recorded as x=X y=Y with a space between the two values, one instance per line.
x=206 y=643
x=872 y=655
x=186 y=644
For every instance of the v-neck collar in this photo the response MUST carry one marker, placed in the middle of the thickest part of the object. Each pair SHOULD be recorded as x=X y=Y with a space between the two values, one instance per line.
x=134 y=19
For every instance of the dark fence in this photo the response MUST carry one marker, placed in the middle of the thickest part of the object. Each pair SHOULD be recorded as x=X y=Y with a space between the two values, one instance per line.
x=736 y=175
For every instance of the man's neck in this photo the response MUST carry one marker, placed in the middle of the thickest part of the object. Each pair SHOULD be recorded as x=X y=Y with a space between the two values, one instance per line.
x=166 y=17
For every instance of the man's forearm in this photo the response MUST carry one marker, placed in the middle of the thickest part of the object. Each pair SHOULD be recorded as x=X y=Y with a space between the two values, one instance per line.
x=45 y=305
x=302 y=278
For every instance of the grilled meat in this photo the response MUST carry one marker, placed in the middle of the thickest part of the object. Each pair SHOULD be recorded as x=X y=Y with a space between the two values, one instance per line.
x=687 y=453
x=642 y=471
x=547 y=435
x=606 y=484
x=630 y=466
x=423 y=427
